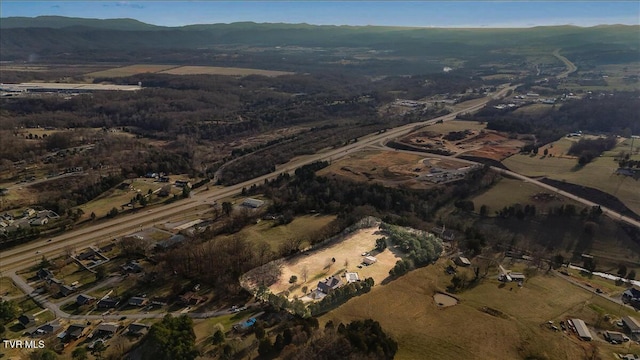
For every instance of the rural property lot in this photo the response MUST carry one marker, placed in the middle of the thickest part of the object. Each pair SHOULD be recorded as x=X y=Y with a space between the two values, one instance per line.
x=407 y=311
x=598 y=174
x=348 y=255
x=215 y=70
x=508 y=192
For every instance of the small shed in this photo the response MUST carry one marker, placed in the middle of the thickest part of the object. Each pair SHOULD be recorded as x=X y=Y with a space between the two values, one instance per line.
x=462 y=261
x=369 y=260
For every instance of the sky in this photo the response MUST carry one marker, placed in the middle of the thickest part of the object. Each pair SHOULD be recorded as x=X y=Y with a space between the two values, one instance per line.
x=357 y=13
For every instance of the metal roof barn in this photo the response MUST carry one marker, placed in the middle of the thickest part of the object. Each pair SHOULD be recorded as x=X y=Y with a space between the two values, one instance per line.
x=582 y=330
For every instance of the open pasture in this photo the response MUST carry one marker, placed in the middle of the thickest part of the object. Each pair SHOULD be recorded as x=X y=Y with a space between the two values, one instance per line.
x=598 y=174
x=515 y=328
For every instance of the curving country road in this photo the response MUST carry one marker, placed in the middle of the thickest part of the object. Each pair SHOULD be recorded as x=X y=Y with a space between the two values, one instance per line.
x=571 y=67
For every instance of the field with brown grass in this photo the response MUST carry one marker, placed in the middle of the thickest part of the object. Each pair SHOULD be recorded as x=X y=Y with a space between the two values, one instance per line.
x=130 y=70
x=490 y=322
x=216 y=70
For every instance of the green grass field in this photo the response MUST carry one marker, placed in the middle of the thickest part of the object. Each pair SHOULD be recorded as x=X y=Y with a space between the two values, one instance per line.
x=509 y=191
x=406 y=310
x=275 y=236
x=598 y=174
x=8 y=288
x=456 y=125
x=116 y=197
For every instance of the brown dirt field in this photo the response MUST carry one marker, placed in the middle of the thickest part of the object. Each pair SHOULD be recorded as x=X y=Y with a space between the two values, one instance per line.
x=481 y=143
x=348 y=255
x=389 y=168
x=215 y=70
x=130 y=70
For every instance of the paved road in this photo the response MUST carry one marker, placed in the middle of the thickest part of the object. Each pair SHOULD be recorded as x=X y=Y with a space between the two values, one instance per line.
x=571 y=67
x=592 y=290
x=44 y=302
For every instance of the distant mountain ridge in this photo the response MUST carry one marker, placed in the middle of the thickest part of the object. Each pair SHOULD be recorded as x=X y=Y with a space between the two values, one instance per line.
x=60 y=22
x=57 y=38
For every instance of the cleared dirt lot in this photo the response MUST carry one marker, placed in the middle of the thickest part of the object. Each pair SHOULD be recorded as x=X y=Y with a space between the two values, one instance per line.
x=473 y=140
x=389 y=168
x=348 y=255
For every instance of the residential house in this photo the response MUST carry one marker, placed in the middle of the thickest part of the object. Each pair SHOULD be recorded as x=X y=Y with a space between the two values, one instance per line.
x=190 y=298
x=76 y=331
x=66 y=290
x=47 y=329
x=106 y=330
x=108 y=303
x=84 y=299
x=138 y=301
x=131 y=266
x=329 y=284
x=39 y=221
x=27 y=320
x=137 y=329
x=182 y=183
x=631 y=295
x=462 y=261
x=44 y=274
